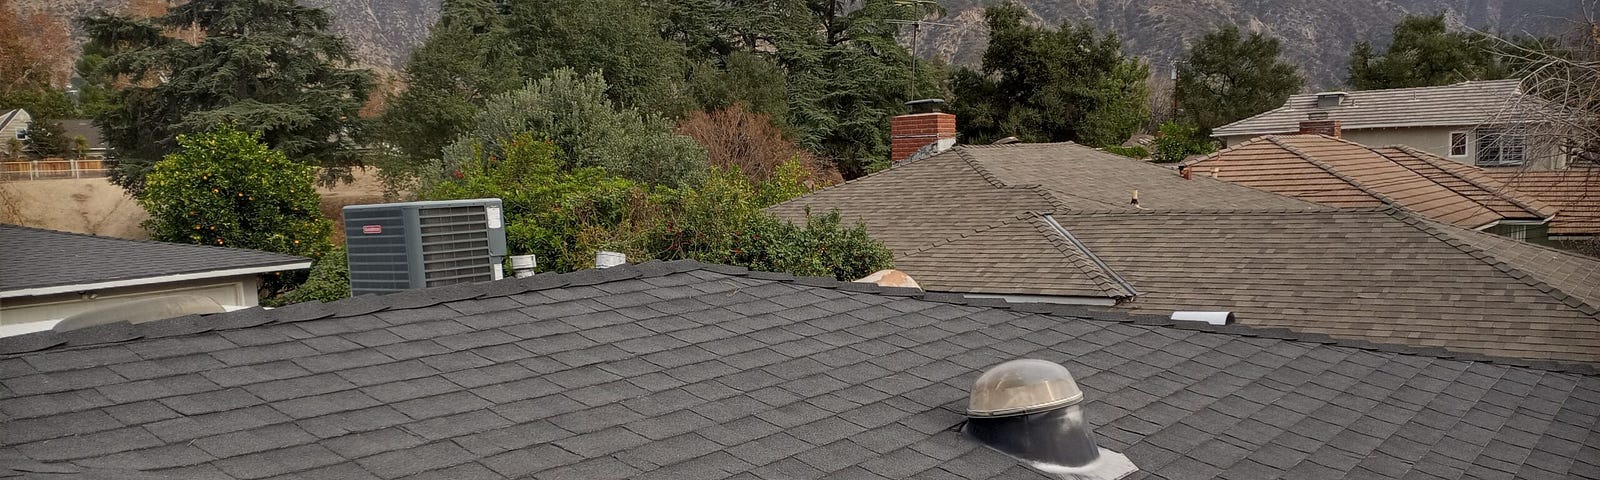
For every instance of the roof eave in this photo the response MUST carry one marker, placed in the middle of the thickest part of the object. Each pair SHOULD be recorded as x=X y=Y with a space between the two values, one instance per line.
x=156 y=280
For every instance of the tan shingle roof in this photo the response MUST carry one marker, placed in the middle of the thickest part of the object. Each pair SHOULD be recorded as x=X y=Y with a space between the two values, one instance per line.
x=1340 y=173
x=1466 y=103
x=1372 y=275
x=1026 y=255
x=959 y=223
x=1084 y=179
x=1574 y=193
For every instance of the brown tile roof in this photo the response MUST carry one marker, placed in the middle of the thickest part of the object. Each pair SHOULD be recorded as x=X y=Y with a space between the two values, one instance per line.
x=1340 y=173
x=1574 y=192
x=959 y=223
x=1381 y=276
x=1466 y=103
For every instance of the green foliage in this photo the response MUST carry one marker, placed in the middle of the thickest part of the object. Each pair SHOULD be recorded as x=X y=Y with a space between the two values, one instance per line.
x=743 y=78
x=329 y=281
x=46 y=138
x=1228 y=76
x=268 y=66
x=1132 y=151
x=572 y=111
x=226 y=188
x=619 y=39
x=848 y=75
x=1039 y=84
x=1423 y=52
x=1178 y=141
x=468 y=57
x=564 y=214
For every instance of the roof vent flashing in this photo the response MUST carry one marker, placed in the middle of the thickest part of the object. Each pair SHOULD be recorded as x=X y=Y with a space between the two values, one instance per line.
x=1031 y=409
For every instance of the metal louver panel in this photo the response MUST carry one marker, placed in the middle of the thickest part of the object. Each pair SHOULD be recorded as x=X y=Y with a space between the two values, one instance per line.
x=377 y=261
x=455 y=245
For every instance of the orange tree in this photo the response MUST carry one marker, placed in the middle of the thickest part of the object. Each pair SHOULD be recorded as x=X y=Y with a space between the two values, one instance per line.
x=225 y=188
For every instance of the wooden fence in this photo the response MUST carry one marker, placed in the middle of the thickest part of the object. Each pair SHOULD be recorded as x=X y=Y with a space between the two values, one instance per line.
x=53 y=168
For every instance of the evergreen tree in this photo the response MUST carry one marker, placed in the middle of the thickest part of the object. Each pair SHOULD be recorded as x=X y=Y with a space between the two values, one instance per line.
x=1228 y=76
x=1423 y=52
x=619 y=39
x=267 y=66
x=1041 y=84
x=468 y=57
x=848 y=75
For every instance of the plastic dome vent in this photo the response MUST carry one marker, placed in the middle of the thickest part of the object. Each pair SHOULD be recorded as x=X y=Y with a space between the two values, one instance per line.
x=1020 y=387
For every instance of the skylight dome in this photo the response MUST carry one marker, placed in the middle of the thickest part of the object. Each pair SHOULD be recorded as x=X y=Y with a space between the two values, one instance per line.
x=1020 y=387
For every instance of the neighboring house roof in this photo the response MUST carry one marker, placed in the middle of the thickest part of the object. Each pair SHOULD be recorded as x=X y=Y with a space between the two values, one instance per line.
x=1575 y=192
x=76 y=127
x=42 y=262
x=13 y=115
x=1340 y=173
x=1462 y=104
x=1378 y=274
x=1374 y=275
x=684 y=370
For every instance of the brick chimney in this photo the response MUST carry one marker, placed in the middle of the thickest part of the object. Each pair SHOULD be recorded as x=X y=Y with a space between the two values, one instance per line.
x=1320 y=127
x=925 y=124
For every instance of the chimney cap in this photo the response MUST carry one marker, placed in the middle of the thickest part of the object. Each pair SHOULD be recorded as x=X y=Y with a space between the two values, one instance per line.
x=1021 y=387
x=926 y=105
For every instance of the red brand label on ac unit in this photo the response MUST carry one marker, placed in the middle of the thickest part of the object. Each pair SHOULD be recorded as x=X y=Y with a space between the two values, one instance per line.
x=371 y=229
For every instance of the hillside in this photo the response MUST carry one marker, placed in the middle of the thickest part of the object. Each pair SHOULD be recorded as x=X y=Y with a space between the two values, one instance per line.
x=1317 y=34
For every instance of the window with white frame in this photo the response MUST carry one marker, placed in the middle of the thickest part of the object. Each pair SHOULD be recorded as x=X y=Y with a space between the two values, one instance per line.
x=1458 y=144
x=1497 y=148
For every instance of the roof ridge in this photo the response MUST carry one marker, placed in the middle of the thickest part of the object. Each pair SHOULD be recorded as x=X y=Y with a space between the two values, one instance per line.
x=310 y=311
x=892 y=167
x=1069 y=245
x=1431 y=228
x=982 y=171
x=1321 y=209
x=1479 y=206
x=1334 y=171
x=1219 y=153
x=1432 y=159
x=147 y=242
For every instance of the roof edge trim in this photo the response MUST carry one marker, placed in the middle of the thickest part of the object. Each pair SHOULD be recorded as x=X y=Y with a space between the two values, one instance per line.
x=133 y=282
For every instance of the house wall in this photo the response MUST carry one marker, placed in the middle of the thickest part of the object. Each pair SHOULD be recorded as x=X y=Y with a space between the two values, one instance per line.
x=27 y=314
x=10 y=130
x=1435 y=140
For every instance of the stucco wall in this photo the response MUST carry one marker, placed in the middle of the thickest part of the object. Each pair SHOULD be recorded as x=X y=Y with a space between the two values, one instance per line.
x=22 y=314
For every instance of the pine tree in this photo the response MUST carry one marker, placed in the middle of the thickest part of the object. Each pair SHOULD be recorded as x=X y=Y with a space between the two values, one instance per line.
x=1228 y=76
x=468 y=57
x=1424 y=52
x=267 y=66
x=1041 y=84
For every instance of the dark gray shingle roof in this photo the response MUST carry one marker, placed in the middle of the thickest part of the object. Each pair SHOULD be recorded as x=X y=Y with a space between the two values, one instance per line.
x=36 y=258
x=683 y=370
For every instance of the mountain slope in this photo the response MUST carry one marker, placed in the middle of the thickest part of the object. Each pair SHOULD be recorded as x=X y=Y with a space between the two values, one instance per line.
x=1317 y=34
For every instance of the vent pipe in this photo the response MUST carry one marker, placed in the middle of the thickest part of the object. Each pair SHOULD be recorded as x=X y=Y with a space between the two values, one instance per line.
x=609 y=259
x=522 y=265
x=1032 y=410
x=1214 y=318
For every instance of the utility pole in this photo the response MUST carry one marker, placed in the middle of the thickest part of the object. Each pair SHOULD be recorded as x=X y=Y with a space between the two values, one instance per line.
x=916 y=28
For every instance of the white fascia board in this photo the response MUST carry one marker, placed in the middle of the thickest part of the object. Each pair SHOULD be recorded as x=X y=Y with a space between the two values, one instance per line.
x=84 y=287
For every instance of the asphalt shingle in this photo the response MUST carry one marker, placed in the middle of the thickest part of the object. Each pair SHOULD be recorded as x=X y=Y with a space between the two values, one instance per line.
x=880 y=399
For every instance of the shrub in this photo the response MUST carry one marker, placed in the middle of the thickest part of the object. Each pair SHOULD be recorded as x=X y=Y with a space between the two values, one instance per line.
x=1178 y=141
x=225 y=188
x=329 y=281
